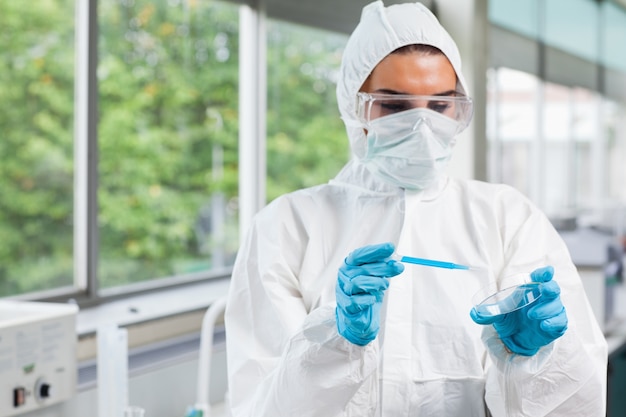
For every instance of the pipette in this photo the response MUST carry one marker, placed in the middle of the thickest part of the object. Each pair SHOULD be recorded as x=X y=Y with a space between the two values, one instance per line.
x=429 y=262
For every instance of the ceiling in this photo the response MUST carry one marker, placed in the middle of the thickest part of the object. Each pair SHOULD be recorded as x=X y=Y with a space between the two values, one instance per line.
x=336 y=15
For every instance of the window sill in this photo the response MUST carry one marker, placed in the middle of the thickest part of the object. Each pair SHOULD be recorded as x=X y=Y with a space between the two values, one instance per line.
x=150 y=317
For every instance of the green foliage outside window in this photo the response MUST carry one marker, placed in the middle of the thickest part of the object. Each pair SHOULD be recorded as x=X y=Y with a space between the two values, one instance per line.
x=307 y=143
x=167 y=135
x=168 y=78
x=36 y=144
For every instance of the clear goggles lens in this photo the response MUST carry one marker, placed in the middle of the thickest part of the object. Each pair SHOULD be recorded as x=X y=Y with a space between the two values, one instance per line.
x=373 y=106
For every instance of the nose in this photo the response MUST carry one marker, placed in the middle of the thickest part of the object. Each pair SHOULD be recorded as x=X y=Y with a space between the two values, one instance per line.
x=418 y=123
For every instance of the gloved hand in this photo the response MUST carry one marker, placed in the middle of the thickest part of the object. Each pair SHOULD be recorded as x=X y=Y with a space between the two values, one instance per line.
x=361 y=283
x=526 y=330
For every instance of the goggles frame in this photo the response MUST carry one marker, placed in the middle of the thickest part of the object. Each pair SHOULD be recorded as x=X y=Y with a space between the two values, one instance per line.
x=371 y=106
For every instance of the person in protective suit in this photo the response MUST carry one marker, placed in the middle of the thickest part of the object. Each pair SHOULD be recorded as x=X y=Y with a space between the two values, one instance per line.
x=321 y=319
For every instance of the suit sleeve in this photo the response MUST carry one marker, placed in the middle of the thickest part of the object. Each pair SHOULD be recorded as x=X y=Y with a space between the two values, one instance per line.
x=282 y=359
x=566 y=377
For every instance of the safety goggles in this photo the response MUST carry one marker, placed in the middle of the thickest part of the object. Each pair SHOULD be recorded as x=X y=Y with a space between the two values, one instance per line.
x=373 y=106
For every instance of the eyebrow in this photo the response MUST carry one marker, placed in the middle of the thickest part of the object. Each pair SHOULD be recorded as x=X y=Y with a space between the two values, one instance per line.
x=395 y=92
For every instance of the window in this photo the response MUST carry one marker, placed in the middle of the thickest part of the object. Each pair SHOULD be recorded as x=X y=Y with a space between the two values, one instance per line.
x=519 y=16
x=162 y=155
x=512 y=127
x=565 y=56
x=167 y=137
x=614 y=36
x=573 y=142
x=306 y=140
x=560 y=145
x=36 y=150
x=573 y=26
x=614 y=128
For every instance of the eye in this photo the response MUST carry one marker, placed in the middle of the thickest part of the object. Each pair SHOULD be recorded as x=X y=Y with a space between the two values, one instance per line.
x=439 y=106
x=391 y=107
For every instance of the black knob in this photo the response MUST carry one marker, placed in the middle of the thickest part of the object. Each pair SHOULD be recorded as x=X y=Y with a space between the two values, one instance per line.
x=44 y=390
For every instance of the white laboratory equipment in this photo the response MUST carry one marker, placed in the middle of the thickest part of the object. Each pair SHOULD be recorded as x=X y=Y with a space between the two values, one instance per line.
x=112 y=370
x=202 y=408
x=113 y=373
x=38 y=365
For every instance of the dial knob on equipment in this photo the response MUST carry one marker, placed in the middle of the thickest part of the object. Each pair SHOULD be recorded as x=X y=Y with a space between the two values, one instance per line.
x=44 y=390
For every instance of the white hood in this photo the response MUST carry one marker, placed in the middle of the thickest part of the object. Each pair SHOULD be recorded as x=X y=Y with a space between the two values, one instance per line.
x=381 y=31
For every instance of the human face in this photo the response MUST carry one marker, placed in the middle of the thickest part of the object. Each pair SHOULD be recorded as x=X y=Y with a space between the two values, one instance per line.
x=404 y=81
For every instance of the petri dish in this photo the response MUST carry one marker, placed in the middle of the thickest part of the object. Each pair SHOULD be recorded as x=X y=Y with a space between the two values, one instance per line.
x=491 y=301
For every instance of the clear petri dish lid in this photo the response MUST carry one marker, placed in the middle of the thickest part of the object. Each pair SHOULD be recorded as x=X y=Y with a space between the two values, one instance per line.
x=492 y=300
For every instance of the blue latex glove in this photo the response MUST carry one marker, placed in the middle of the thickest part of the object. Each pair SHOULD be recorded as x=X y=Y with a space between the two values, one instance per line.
x=361 y=283
x=526 y=330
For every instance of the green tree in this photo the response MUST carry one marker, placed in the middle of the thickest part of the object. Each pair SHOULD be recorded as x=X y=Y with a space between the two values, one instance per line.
x=168 y=100
x=36 y=150
x=167 y=135
x=307 y=144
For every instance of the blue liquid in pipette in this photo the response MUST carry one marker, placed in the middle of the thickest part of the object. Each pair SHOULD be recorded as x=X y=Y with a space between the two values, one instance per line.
x=431 y=262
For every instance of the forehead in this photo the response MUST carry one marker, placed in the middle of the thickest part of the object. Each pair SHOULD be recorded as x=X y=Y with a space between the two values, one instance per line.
x=412 y=73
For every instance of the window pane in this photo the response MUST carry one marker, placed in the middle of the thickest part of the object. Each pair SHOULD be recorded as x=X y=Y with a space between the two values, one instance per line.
x=306 y=139
x=168 y=137
x=557 y=131
x=572 y=142
x=587 y=136
x=573 y=26
x=614 y=36
x=614 y=124
x=512 y=120
x=36 y=150
x=517 y=16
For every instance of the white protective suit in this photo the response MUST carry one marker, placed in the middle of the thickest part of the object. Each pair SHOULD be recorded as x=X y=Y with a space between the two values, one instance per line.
x=285 y=356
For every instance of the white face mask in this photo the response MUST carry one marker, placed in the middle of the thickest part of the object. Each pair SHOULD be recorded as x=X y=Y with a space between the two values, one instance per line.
x=410 y=149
